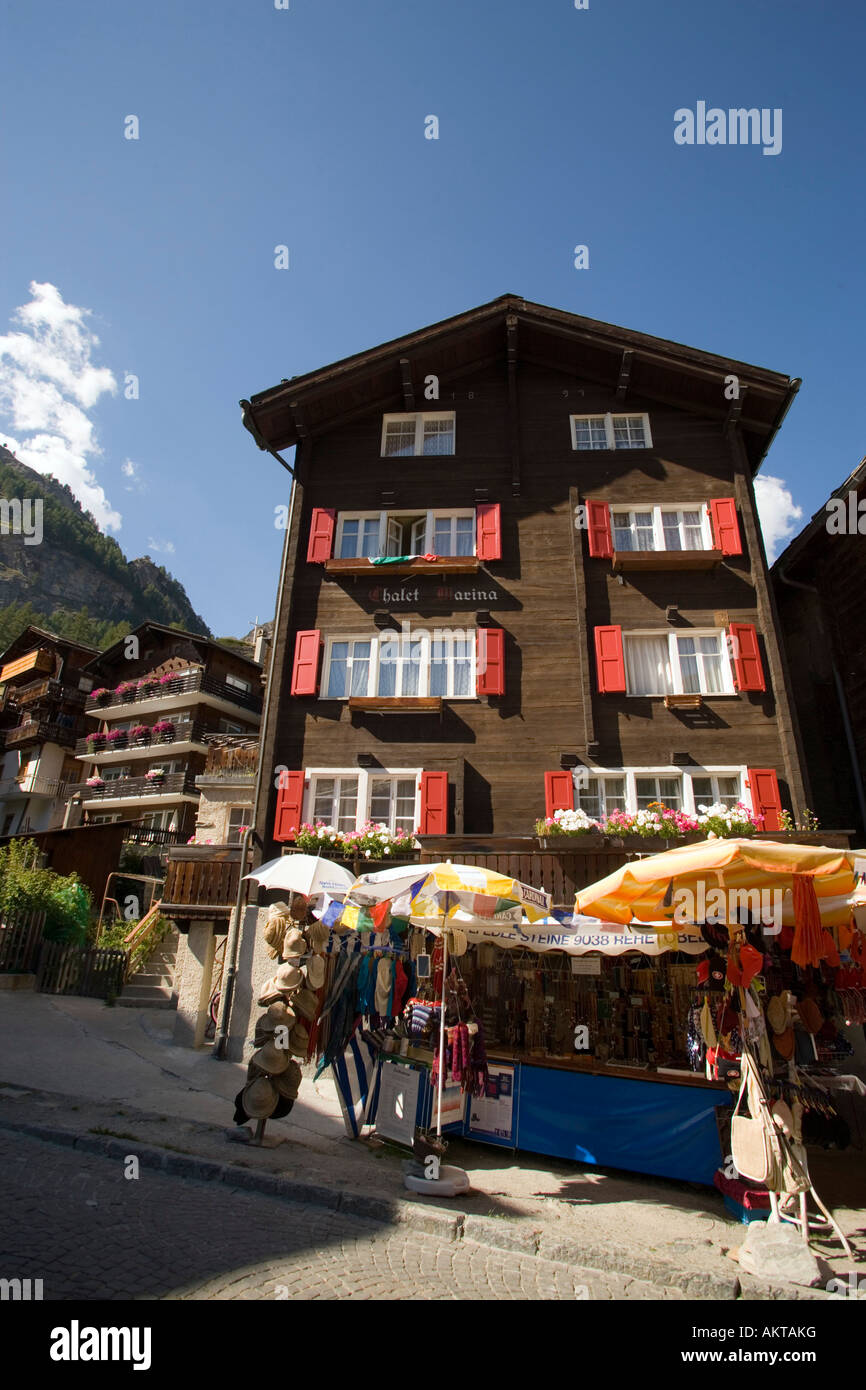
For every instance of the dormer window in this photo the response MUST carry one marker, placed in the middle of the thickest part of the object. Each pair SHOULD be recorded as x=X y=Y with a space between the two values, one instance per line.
x=424 y=433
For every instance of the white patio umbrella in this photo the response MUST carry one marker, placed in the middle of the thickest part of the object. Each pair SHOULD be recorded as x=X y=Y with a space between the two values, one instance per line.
x=304 y=873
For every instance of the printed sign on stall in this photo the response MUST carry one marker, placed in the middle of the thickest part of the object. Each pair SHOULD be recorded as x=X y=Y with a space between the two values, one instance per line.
x=398 y=1102
x=492 y=1115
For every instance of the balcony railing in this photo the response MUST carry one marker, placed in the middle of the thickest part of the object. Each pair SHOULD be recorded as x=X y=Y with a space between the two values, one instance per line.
x=38 y=786
x=49 y=689
x=40 y=731
x=134 y=788
x=188 y=683
x=185 y=731
x=155 y=835
x=201 y=882
x=231 y=764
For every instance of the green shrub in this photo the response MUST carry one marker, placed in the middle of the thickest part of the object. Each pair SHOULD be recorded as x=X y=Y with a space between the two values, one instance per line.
x=25 y=887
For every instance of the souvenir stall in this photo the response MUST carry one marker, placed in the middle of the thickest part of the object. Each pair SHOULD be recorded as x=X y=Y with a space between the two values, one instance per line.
x=778 y=1003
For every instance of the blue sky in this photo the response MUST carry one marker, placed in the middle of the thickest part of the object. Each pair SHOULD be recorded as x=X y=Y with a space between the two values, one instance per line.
x=305 y=127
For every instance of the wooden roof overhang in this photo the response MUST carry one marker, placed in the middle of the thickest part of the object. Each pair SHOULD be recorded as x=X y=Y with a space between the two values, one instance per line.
x=390 y=377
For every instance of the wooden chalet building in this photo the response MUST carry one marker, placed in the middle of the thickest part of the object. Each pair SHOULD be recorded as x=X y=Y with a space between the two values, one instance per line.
x=523 y=570
x=152 y=717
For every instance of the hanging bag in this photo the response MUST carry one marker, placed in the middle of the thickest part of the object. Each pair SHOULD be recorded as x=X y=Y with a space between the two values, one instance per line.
x=754 y=1141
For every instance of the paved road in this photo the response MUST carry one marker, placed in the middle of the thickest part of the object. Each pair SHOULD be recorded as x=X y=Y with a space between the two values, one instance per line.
x=76 y=1222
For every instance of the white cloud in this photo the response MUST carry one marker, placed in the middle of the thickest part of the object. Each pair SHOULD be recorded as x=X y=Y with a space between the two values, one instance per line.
x=128 y=468
x=161 y=547
x=777 y=513
x=48 y=383
x=132 y=474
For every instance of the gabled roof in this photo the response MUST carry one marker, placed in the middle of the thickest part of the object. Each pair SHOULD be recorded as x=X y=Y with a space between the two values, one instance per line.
x=798 y=547
x=388 y=376
x=32 y=636
x=177 y=634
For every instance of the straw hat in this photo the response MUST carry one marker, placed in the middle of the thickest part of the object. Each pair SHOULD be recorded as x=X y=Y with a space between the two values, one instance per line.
x=288 y=1083
x=270 y=1058
x=277 y=1014
x=317 y=936
x=299 y=1039
x=270 y=991
x=777 y=1014
x=288 y=977
x=306 y=1004
x=315 y=971
x=293 y=944
x=259 y=1098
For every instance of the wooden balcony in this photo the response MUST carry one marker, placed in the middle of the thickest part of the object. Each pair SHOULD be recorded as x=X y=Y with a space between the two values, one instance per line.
x=201 y=883
x=442 y=564
x=30 y=665
x=185 y=732
x=40 y=731
x=119 y=789
x=645 y=561
x=171 y=694
x=228 y=762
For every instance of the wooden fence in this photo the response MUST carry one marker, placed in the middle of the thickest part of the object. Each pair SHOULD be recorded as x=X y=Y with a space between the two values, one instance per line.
x=20 y=940
x=560 y=872
x=96 y=972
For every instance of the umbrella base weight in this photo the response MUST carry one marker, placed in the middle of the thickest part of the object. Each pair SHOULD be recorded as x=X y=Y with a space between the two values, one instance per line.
x=445 y=1179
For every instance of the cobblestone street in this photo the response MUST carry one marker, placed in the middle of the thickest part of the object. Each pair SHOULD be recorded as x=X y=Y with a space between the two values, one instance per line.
x=76 y=1222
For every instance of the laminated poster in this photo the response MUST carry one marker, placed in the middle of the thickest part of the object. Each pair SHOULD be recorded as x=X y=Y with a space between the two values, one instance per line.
x=493 y=1113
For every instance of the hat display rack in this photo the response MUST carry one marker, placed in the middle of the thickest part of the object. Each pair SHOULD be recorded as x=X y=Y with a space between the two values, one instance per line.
x=755 y=1021
x=292 y=1000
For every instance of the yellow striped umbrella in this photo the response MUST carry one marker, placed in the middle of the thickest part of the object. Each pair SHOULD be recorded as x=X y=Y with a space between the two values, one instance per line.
x=677 y=885
x=433 y=892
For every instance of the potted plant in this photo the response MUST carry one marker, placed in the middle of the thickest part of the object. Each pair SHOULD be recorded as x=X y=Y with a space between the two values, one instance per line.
x=100 y=695
x=163 y=731
x=127 y=690
x=556 y=830
x=656 y=822
x=726 y=823
x=117 y=738
x=95 y=782
x=148 y=685
x=376 y=841
x=95 y=740
x=320 y=838
x=140 y=734
x=155 y=775
x=169 y=682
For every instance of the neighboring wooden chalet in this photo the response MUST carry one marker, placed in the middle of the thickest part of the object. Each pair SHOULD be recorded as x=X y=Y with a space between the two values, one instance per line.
x=523 y=570
x=820 y=582
x=159 y=696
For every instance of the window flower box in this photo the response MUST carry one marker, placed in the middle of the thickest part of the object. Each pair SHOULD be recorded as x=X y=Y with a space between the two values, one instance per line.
x=140 y=734
x=127 y=690
x=155 y=775
x=170 y=682
x=100 y=695
x=372 y=841
x=96 y=740
x=95 y=782
x=163 y=731
x=148 y=686
x=117 y=738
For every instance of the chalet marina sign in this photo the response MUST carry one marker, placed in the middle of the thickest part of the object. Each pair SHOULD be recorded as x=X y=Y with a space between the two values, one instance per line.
x=413 y=594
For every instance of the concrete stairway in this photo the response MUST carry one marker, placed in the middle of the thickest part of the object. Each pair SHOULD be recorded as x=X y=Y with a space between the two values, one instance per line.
x=152 y=987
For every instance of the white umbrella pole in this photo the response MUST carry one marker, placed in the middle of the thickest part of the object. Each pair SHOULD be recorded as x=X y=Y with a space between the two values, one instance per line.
x=441 y=1078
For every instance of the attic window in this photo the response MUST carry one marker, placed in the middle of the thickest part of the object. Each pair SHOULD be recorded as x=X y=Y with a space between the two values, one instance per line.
x=427 y=432
x=610 y=432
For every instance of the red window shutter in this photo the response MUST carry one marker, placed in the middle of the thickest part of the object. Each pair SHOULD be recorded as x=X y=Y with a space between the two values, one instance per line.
x=763 y=787
x=610 y=660
x=558 y=792
x=321 y=543
x=305 y=672
x=290 y=801
x=726 y=528
x=490 y=661
x=600 y=538
x=488 y=527
x=434 y=803
x=748 y=670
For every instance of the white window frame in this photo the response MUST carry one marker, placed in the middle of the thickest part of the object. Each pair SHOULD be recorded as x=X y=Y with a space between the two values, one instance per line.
x=247 y=811
x=364 y=775
x=610 y=438
x=419 y=417
x=429 y=515
x=376 y=640
x=672 y=635
x=688 y=800
x=656 y=509
x=238 y=683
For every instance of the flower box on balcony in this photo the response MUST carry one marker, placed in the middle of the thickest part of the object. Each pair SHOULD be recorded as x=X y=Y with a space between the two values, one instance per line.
x=163 y=731
x=95 y=741
x=127 y=690
x=117 y=738
x=101 y=696
x=577 y=841
x=148 y=686
x=95 y=782
x=140 y=734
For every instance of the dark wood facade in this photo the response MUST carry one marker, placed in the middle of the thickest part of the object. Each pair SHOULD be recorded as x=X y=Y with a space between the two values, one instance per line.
x=820 y=581
x=514 y=373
